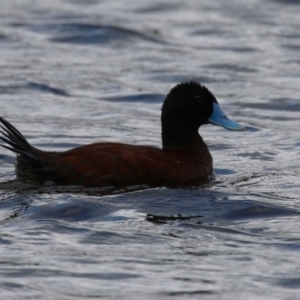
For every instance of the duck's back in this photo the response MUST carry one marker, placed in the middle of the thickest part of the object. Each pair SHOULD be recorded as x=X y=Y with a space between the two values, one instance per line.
x=116 y=164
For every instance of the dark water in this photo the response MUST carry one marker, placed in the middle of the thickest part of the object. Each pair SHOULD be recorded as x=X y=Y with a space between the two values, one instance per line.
x=75 y=72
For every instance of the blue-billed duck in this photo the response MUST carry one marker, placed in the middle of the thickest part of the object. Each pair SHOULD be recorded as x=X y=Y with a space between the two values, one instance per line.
x=184 y=159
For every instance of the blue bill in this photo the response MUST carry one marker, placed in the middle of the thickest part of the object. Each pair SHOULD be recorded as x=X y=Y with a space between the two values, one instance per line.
x=219 y=118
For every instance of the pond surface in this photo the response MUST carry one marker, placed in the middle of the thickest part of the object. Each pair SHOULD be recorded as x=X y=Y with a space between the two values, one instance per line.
x=76 y=72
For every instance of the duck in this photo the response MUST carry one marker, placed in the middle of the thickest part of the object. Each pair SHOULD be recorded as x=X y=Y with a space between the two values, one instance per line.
x=183 y=160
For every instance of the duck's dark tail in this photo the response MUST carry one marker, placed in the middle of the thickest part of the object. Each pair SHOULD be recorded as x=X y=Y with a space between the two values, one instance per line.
x=30 y=161
x=16 y=141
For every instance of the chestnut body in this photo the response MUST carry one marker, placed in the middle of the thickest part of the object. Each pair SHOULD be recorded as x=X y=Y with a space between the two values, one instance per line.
x=115 y=164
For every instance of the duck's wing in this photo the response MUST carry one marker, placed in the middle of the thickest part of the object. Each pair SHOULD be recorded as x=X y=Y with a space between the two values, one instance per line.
x=105 y=164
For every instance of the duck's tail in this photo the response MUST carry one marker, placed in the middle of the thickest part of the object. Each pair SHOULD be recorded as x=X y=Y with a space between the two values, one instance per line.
x=16 y=141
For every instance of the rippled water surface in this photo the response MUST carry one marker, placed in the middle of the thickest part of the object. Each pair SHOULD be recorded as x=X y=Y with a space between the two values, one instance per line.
x=76 y=72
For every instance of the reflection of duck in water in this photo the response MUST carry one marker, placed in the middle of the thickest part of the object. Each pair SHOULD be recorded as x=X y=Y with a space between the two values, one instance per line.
x=184 y=159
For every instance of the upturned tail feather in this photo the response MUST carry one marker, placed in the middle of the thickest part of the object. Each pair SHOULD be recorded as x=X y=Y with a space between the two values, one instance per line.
x=16 y=141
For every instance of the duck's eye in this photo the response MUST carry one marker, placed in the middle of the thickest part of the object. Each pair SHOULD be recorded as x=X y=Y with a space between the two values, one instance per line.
x=198 y=98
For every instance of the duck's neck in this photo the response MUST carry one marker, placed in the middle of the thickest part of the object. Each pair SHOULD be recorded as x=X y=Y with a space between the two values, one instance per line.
x=180 y=138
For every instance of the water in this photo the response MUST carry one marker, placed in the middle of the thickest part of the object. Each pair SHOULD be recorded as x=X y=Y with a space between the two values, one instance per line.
x=75 y=72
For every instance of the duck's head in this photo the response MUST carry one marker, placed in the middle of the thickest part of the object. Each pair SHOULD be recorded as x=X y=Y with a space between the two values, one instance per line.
x=187 y=107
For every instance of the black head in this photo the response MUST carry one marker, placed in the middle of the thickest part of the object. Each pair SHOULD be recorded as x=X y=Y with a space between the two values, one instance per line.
x=186 y=107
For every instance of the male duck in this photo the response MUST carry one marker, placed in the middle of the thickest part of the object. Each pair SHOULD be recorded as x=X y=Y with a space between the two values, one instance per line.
x=184 y=159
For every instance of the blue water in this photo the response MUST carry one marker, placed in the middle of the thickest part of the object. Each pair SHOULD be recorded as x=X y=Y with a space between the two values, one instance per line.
x=76 y=72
